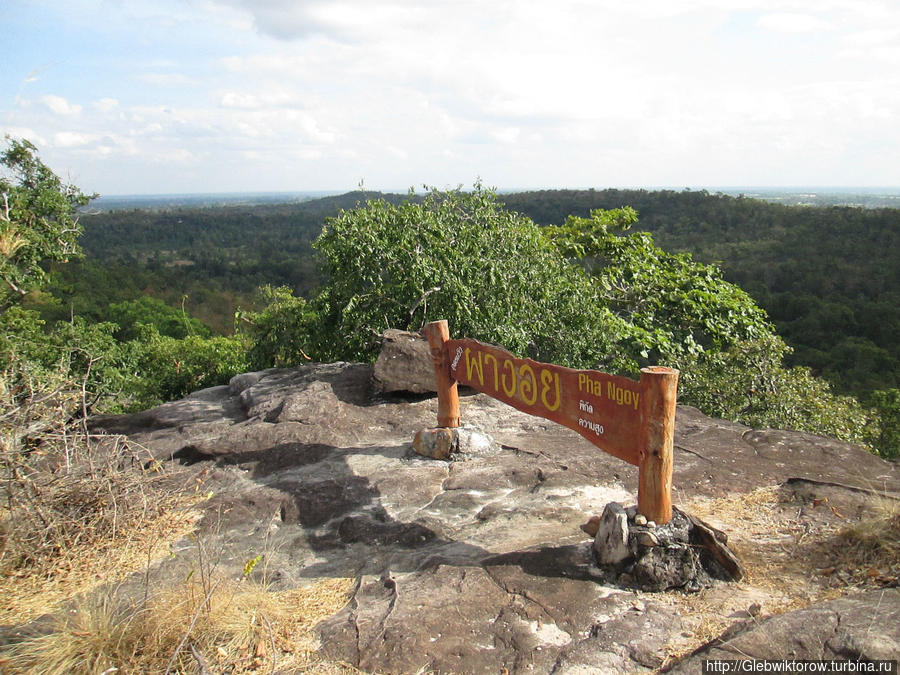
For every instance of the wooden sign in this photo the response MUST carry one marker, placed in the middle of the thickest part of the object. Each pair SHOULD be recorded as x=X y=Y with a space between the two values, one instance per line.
x=629 y=419
x=605 y=409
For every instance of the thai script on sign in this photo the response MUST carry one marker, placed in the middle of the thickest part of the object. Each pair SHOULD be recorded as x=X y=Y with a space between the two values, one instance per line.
x=605 y=409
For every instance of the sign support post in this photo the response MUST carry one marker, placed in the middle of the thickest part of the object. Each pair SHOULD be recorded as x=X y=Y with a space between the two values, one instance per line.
x=657 y=439
x=438 y=334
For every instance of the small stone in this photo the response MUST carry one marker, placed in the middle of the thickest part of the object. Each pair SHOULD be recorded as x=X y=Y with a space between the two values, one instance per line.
x=611 y=541
x=651 y=524
x=638 y=606
x=591 y=526
x=436 y=443
x=640 y=519
x=474 y=441
x=646 y=539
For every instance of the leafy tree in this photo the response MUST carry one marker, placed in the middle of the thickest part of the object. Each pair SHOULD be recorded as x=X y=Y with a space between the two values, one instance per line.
x=130 y=315
x=823 y=274
x=38 y=220
x=584 y=294
x=886 y=436
x=75 y=355
x=731 y=360
x=459 y=256
x=682 y=306
x=278 y=334
x=108 y=366
x=172 y=368
x=748 y=382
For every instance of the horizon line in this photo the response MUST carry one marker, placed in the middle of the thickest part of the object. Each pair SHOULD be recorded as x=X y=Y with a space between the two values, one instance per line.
x=839 y=189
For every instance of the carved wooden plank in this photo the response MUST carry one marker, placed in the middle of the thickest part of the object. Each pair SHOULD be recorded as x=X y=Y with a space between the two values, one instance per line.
x=605 y=409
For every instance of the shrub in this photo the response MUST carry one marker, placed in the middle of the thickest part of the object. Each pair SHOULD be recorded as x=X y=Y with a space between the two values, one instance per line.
x=748 y=383
x=170 y=368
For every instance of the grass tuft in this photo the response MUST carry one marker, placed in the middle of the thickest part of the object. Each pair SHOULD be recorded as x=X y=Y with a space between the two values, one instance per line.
x=236 y=627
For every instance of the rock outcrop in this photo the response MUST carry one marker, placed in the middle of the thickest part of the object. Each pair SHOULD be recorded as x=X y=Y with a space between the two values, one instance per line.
x=861 y=626
x=476 y=565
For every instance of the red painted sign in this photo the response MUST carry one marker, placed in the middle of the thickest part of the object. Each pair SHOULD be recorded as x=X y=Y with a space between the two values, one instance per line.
x=605 y=409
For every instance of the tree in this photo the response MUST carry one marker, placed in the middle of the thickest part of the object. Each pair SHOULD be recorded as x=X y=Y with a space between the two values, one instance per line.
x=583 y=294
x=683 y=307
x=749 y=383
x=130 y=315
x=38 y=221
x=138 y=361
x=886 y=438
x=457 y=256
x=172 y=368
x=278 y=334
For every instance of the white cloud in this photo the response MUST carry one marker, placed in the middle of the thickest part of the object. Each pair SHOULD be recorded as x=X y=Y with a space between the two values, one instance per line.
x=351 y=20
x=168 y=79
x=276 y=97
x=506 y=134
x=877 y=45
x=177 y=155
x=27 y=133
x=399 y=153
x=273 y=94
x=790 y=22
x=72 y=139
x=59 y=105
x=106 y=105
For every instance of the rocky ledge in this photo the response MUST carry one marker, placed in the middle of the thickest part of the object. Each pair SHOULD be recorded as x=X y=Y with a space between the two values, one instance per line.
x=480 y=564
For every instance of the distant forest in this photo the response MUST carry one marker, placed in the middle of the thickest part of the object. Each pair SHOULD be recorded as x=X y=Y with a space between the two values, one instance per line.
x=829 y=277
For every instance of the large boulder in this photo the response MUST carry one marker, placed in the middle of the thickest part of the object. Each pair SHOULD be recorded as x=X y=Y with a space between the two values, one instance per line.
x=404 y=364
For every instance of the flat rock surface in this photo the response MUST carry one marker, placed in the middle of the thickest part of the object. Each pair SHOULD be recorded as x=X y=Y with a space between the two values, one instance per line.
x=475 y=565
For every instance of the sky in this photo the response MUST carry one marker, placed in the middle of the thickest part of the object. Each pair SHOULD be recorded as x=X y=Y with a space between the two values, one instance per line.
x=186 y=96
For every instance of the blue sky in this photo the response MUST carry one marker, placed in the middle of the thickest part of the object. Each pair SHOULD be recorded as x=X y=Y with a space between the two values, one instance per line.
x=126 y=97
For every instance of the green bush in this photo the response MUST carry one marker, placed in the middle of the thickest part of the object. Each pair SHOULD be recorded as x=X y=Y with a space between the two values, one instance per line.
x=681 y=307
x=749 y=383
x=167 y=368
x=462 y=257
x=176 y=323
x=886 y=435
x=583 y=294
x=86 y=355
x=278 y=335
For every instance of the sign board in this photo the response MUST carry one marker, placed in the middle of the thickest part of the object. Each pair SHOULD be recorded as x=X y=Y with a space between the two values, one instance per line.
x=605 y=409
x=634 y=421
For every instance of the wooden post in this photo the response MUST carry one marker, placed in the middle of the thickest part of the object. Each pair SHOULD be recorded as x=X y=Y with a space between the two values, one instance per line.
x=437 y=333
x=659 y=386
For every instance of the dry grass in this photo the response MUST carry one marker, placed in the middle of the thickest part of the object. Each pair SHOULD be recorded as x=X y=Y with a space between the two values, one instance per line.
x=103 y=522
x=205 y=624
x=81 y=513
x=234 y=627
x=791 y=560
x=868 y=552
x=31 y=591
